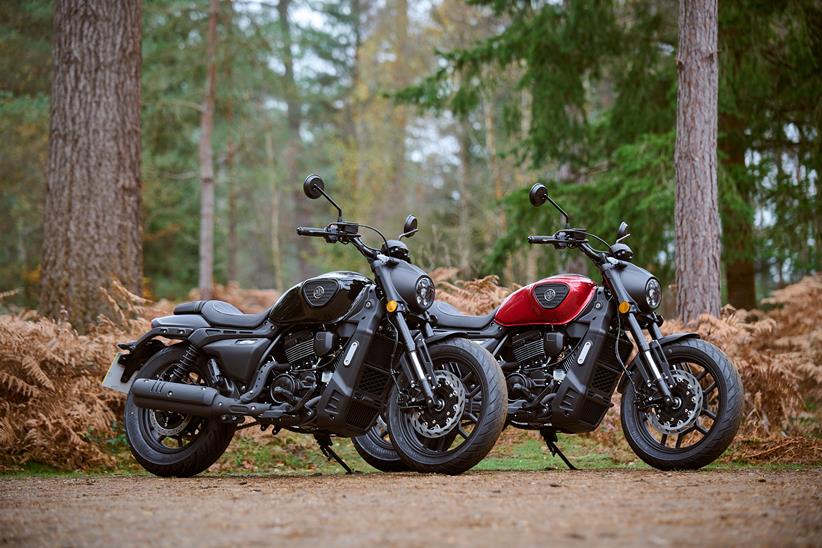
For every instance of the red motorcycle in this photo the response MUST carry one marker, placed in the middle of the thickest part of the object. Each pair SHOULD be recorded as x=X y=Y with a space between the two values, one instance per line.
x=564 y=345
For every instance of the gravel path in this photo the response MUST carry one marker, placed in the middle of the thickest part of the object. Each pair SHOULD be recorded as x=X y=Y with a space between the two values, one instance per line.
x=743 y=508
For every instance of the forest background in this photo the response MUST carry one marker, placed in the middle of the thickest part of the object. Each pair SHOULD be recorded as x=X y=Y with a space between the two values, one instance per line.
x=448 y=110
x=443 y=109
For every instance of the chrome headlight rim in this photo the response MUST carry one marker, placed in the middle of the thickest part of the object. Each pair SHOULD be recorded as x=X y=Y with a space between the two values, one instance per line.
x=653 y=293
x=424 y=292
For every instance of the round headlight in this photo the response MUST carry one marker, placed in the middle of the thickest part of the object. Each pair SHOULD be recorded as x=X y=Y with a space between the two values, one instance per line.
x=653 y=293
x=424 y=292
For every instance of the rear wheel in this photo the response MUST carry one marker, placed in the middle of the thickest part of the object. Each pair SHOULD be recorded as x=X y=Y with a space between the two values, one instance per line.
x=173 y=444
x=376 y=449
x=455 y=437
x=697 y=431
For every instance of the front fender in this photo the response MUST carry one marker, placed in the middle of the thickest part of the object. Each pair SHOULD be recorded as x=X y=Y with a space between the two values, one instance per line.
x=664 y=341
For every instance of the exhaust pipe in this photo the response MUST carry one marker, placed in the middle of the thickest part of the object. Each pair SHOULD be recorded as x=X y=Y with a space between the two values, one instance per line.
x=191 y=399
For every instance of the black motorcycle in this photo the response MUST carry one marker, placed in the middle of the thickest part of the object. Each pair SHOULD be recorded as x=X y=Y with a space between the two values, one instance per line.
x=332 y=356
x=563 y=344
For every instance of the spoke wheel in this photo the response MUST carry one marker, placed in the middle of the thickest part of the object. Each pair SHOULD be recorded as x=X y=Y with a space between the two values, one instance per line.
x=173 y=444
x=459 y=433
x=702 y=424
x=170 y=432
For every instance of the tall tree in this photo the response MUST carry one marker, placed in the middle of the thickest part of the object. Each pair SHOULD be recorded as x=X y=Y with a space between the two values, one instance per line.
x=697 y=209
x=206 y=282
x=92 y=212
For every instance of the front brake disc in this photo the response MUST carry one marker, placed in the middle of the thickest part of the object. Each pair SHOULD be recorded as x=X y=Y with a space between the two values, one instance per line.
x=437 y=423
x=689 y=392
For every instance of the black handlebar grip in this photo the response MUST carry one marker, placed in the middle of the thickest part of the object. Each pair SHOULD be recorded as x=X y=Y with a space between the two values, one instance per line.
x=539 y=239
x=308 y=231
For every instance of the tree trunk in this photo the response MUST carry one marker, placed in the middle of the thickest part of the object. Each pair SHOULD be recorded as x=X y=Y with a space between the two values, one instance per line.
x=294 y=147
x=231 y=263
x=464 y=228
x=697 y=213
x=738 y=226
x=400 y=81
x=92 y=225
x=496 y=176
x=276 y=249
x=206 y=159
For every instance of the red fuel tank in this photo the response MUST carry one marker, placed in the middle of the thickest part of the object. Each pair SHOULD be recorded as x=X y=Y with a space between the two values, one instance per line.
x=554 y=300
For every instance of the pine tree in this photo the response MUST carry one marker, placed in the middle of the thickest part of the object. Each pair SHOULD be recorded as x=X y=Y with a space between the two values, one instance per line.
x=92 y=213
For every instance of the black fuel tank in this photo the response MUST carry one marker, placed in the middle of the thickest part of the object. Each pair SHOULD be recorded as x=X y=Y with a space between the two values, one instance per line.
x=322 y=299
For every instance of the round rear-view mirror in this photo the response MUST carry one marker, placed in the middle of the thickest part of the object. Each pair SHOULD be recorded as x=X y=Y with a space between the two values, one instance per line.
x=313 y=186
x=538 y=195
x=410 y=226
x=623 y=230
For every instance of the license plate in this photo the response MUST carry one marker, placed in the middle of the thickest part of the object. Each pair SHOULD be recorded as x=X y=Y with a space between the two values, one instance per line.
x=115 y=373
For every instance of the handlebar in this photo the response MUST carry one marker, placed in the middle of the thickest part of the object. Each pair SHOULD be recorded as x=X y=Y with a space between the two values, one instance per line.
x=310 y=231
x=569 y=238
x=543 y=240
x=332 y=235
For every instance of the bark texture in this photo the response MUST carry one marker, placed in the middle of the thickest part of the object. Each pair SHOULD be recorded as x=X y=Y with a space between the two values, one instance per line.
x=738 y=226
x=92 y=225
x=206 y=154
x=697 y=213
x=294 y=149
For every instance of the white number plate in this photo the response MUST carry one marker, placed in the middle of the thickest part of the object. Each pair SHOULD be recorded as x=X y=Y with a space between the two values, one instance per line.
x=115 y=373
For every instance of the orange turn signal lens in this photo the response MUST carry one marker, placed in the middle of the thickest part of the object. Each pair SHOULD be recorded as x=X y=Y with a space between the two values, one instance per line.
x=624 y=307
x=391 y=306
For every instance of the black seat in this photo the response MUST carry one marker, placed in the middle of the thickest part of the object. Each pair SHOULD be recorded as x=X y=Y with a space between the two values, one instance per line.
x=222 y=314
x=446 y=315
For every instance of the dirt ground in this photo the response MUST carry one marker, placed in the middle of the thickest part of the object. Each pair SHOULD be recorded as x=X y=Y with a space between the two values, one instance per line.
x=751 y=507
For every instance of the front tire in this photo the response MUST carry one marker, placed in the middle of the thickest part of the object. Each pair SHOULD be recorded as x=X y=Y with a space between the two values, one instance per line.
x=425 y=443
x=172 y=444
x=656 y=435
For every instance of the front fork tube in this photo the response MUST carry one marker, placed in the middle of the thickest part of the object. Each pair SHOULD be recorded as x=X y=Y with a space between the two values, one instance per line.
x=418 y=369
x=657 y=366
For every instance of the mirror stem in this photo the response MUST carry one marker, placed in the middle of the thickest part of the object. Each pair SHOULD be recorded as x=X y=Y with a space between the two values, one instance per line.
x=327 y=197
x=556 y=205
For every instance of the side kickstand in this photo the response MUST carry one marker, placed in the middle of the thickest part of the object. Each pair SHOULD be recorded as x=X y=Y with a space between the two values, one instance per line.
x=550 y=437
x=325 y=447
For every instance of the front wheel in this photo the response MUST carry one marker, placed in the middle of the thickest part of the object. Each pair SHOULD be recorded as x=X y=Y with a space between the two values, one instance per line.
x=706 y=415
x=456 y=436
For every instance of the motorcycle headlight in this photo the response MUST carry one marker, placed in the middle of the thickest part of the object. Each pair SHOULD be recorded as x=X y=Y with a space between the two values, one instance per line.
x=424 y=292
x=653 y=293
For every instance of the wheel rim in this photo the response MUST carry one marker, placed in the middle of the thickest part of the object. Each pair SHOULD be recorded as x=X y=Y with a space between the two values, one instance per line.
x=692 y=433
x=378 y=434
x=169 y=432
x=465 y=427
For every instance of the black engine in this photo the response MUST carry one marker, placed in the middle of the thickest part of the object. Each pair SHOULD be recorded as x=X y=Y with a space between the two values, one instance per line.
x=308 y=366
x=536 y=368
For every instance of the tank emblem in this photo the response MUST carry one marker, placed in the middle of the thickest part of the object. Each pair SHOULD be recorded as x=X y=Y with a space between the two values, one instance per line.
x=319 y=291
x=550 y=294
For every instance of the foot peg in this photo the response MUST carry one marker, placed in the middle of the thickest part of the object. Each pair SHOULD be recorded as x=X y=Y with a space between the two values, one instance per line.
x=550 y=437
x=325 y=447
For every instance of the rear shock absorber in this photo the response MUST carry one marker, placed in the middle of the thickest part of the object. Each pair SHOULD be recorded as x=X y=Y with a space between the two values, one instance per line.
x=186 y=363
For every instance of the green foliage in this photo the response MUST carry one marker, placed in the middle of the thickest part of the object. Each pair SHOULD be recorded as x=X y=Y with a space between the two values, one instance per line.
x=639 y=189
x=602 y=80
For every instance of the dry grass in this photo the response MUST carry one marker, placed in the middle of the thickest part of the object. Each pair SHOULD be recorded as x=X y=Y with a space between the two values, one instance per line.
x=53 y=409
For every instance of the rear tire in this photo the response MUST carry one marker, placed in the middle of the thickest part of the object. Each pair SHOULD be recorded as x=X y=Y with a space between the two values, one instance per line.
x=378 y=451
x=479 y=373
x=205 y=439
x=716 y=424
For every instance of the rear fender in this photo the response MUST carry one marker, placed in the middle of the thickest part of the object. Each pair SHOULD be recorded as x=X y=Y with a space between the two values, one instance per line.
x=168 y=327
x=664 y=341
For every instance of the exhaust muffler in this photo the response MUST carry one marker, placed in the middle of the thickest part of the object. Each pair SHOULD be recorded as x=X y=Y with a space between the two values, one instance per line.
x=190 y=399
